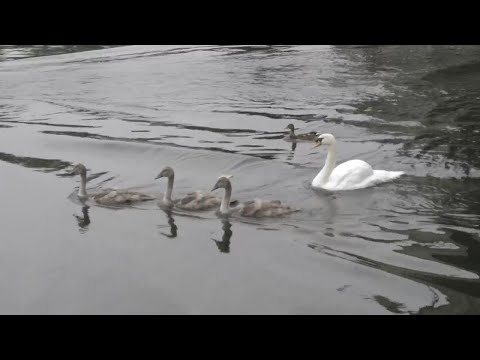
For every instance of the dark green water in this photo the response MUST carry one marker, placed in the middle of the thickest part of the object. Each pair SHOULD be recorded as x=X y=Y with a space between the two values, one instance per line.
x=411 y=246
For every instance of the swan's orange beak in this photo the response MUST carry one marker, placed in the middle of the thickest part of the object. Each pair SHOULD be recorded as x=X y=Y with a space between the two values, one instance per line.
x=318 y=142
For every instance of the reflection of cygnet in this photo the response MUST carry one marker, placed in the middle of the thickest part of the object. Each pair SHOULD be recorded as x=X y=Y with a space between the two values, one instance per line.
x=224 y=245
x=171 y=222
x=83 y=221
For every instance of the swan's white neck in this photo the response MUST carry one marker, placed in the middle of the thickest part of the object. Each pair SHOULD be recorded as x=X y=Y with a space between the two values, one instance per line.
x=82 y=191
x=324 y=174
x=167 y=197
x=225 y=204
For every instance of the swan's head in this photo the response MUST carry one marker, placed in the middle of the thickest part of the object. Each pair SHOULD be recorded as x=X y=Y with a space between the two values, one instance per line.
x=166 y=172
x=290 y=126
x=223 y=182
x=79 y=169
x=324 y=139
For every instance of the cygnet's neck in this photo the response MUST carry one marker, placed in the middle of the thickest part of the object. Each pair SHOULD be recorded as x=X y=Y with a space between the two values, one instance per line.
x=324 y=174
x=82 y=191
x=292 y=133
x=225 y=204
x=167 y=197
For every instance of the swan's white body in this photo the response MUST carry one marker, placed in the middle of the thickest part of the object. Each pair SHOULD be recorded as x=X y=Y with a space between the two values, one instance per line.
x=350 y=175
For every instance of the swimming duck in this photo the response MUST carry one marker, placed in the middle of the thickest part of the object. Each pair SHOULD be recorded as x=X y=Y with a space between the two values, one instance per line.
x=292 y=136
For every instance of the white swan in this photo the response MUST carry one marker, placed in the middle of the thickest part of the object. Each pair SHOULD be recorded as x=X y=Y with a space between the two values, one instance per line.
x=350 y=175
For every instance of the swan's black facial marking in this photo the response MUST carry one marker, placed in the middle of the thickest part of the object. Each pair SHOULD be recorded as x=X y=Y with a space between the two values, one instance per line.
x=318 y=142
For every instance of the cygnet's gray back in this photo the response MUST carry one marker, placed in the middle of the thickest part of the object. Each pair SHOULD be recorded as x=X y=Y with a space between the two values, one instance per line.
x=117 y=198
x=198 y=201
x=262 y=208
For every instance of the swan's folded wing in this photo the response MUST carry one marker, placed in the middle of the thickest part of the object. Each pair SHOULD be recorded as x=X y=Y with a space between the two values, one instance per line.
x=349 y=174
x=277 y=211
x=121 y=197
x=198 y=201
x=187 y=199
x=261 y=208
x=136 y=196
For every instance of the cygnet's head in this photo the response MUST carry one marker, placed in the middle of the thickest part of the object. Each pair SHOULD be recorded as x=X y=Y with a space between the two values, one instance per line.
x=324 y=139
x=290 y=126
x=79 y=169
x=223 y=182
x=166 y=172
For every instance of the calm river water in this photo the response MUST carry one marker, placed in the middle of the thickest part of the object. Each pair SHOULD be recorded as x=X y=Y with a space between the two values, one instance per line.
x=411 y=246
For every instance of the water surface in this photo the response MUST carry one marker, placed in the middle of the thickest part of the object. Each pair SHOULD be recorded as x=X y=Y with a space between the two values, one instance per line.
x=406 y=247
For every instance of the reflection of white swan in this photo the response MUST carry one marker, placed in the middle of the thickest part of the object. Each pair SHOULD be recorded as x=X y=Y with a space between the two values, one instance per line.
x=108 y=197
x=257 y=208
x=350 y=175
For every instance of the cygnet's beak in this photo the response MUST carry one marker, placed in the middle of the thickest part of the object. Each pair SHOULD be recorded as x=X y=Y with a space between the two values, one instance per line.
x=215 y=187
x=158 y=176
